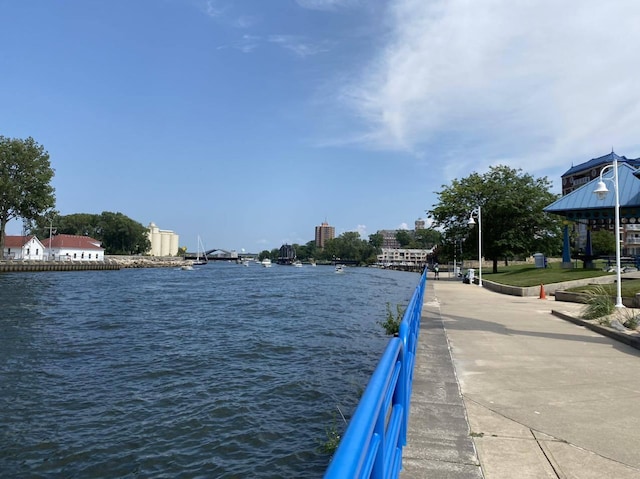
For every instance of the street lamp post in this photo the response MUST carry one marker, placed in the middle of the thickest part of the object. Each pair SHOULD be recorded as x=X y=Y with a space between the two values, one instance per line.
x=50 y=234
x=601 y=192
x=471 y=223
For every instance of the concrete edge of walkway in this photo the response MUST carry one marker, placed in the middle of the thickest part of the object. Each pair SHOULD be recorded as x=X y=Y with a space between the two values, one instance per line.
x=630 y=339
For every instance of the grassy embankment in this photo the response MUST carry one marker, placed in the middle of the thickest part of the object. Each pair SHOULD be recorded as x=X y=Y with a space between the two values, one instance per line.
x=529 y=275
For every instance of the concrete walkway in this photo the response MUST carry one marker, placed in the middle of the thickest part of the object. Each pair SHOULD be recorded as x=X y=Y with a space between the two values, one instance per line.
x=505 y=390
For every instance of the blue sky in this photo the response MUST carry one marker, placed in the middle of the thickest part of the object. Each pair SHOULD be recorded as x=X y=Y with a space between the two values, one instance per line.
x=249 y=122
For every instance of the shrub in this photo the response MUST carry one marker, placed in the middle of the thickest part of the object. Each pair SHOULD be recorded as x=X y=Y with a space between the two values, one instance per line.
x=391 y=324
x=330 y=445
x=599 y=304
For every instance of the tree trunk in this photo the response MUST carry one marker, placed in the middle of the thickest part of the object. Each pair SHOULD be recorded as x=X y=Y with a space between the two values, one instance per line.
x=495 y=265
x=3 y=226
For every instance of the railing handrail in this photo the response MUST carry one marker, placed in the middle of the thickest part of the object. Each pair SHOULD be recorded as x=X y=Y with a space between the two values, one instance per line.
x=372 y=444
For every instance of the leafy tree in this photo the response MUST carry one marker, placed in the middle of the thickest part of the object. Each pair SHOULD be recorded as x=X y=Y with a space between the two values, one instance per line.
x=25 y=182
x=513 y=220
x=603 y=242
x=122 y=235
x=376 y=240
x=118 y=233
x=404 y=237
x=427 y=238
x=264 y=254
x=349 y=247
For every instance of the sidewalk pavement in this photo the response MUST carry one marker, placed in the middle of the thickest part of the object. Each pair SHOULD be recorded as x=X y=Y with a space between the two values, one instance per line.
x=505 y=390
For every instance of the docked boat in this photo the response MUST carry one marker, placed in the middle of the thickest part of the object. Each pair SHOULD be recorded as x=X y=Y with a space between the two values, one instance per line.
x=266 y=263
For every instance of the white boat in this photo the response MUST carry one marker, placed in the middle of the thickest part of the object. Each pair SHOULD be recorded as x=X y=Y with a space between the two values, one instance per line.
x=201 y=257
x=245 y=262
x=297 y=264
x=266 y=263
x=339 y=268
x=186 y=267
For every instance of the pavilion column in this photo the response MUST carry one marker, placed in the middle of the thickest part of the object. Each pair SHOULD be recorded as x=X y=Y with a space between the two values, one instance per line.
x=566 y=248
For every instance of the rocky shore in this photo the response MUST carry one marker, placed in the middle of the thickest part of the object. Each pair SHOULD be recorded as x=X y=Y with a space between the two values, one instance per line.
x=147 y=261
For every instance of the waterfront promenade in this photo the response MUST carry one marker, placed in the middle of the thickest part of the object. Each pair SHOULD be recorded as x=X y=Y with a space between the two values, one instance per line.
x=505 y=390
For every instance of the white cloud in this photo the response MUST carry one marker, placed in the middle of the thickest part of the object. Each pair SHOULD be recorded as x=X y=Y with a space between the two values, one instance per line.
x=403 y=226
x=213 y=9
x=362 y=230
x=326 y=4
x=298 y=45
x=523 y=83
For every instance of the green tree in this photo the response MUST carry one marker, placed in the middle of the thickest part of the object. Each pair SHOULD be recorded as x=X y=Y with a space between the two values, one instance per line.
x=427 y=238
x=348 y=247
x=603 y=242
x=118 y=233
x=122 y=235
x=376 y=240
x=513 y=221
x=25 y=182
x=404 y=237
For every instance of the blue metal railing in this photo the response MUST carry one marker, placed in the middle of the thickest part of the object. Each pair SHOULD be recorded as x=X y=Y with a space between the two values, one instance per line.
x=372 y=444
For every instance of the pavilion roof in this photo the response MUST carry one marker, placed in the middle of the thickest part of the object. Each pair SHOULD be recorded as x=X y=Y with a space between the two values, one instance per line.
x=582 y=203
x=600 y=161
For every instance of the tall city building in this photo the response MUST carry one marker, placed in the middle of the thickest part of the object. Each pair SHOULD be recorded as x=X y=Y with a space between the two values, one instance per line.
x=324 y=232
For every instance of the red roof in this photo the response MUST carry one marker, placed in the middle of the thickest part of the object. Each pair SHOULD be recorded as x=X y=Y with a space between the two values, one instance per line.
x=16 y=241
x=73 y=242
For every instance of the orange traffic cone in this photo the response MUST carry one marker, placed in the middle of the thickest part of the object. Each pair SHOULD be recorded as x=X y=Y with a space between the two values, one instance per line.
x=542 y=295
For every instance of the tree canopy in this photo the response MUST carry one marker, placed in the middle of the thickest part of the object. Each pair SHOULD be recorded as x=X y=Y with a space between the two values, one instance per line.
x=513 y=221
x=25 y=182
x=118 y=233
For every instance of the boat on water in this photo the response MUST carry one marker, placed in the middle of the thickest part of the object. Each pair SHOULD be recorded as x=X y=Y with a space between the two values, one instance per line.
x=339 y=268
x=266 y=263
x=186 y=267
x=201 y=256
x=245 y=262
x=297 y=264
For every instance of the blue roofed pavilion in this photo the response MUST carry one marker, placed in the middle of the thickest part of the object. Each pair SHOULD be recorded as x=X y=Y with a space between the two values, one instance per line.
x=583 y=206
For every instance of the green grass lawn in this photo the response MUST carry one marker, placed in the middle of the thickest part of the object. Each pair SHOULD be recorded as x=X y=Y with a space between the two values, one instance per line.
x=528 y=275
x=629 y=288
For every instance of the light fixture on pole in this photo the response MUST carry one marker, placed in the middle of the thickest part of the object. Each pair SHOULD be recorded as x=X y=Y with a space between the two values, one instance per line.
x=601 y=192
x=471 y=224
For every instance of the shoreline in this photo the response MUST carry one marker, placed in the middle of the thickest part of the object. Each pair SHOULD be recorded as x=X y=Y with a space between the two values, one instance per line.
x=110 y=263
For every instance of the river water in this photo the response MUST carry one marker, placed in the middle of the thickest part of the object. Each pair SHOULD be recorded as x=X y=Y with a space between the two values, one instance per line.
x=225 y=371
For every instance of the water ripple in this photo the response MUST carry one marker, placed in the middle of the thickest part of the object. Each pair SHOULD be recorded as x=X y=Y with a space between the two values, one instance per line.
x=224 y=371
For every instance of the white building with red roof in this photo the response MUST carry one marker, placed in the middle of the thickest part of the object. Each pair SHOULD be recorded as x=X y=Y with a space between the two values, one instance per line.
x=23 y=248
x=75 y=248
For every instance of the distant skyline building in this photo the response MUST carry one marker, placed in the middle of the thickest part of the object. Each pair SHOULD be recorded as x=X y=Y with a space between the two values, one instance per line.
x=324 y=232
x=389 y=240
x=420 y=224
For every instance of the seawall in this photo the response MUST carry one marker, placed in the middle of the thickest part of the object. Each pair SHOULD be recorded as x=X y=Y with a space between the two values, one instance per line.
x=31 y=266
